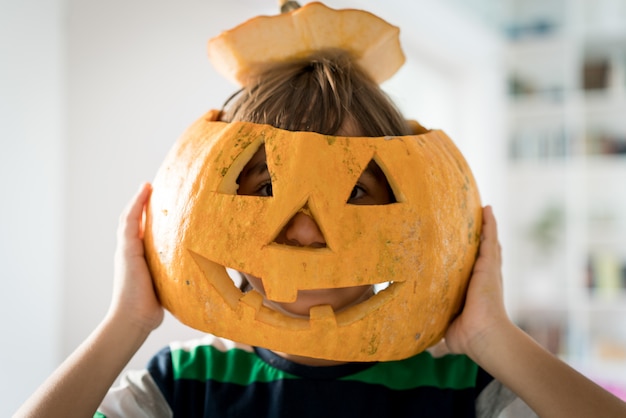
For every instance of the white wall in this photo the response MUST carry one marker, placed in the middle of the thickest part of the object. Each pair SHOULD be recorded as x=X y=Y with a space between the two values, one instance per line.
x=32 y=155
x=130 y=76
x=138 y=77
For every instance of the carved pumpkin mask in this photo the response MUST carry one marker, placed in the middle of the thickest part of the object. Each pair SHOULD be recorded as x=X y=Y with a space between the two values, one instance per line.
x=423 y=244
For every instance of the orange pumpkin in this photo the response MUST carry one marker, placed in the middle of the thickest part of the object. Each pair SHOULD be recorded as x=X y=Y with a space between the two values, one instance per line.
x=424 y=244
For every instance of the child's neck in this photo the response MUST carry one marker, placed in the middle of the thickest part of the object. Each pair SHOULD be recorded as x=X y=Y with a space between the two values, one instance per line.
x=309 y=361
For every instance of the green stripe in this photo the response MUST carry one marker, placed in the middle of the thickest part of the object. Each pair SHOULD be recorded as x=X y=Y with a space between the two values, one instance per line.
x=99 y=414
x=233 y=366
x=447 y=372
x=242 y=367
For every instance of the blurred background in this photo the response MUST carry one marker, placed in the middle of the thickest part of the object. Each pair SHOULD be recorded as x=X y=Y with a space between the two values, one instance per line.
x=93 y=94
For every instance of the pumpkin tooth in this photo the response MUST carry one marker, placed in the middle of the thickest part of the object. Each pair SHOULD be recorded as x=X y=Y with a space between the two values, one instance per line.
x=322 y=316
x=249 y=305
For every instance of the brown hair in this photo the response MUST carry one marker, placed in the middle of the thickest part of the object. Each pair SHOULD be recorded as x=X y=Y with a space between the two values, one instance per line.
x=319 y=94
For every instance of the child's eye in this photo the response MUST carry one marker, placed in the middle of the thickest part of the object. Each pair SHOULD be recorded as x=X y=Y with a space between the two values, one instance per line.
x=264 y=189
x=357 y=193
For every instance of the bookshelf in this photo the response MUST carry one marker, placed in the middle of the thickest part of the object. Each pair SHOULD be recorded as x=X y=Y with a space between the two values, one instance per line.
x=566 y=133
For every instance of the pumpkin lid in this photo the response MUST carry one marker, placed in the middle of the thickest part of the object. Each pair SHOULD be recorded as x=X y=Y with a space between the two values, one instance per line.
x=242 y=53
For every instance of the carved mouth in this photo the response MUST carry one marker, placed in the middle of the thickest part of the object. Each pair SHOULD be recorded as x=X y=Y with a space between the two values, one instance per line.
x=251 y=305
x=338 y=299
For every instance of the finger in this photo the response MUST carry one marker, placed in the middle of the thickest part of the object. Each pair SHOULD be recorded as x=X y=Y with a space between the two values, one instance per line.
x=489 y=246
x=494 y=233
x=131 y=218
x=489 y=233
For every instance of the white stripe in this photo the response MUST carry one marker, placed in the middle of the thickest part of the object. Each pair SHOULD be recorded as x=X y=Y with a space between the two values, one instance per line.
x=136 y=396
x=497 y=401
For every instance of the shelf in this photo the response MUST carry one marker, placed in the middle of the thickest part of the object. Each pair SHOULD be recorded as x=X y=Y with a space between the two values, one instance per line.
x=601 y=105
x=566 y=175
x=603 y=166
x=544 y=139
x=603 y=20
x=536 y=106
x=607 y=301
x=606 y=106
x=607 y=238
x=548 y=44
x=603 y=35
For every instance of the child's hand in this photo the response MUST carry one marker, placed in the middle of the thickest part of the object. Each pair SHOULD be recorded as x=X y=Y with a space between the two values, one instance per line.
x=484 y=310
x=485 y=333
x=134 y=298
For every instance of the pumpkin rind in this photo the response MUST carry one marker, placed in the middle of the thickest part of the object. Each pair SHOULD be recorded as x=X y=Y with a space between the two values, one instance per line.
x=425 y=243
x=243 y=52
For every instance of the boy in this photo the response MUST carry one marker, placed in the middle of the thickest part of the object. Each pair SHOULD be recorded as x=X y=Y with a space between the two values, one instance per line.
x=328 y=94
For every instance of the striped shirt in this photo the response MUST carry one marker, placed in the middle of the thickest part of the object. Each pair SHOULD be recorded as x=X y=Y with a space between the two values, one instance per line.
x=215 y=377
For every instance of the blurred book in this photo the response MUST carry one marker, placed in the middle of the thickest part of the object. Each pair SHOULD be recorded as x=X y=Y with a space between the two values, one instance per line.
x=606 y=274
x=596 y=75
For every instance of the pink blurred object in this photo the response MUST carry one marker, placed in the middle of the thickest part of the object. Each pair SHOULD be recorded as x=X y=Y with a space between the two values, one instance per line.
x=617 y=390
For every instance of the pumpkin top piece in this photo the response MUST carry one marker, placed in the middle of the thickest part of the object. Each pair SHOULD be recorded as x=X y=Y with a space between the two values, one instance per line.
x=242 y=53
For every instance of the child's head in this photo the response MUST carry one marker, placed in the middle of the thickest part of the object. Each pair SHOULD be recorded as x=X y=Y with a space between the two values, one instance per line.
x=328 y=94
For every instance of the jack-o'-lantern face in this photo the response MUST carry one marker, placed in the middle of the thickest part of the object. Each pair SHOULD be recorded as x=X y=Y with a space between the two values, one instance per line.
x=371 y=188
x=227 y=195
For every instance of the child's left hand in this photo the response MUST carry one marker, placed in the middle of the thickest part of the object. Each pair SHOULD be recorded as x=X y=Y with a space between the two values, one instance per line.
x=484 y=332
x=484 y=310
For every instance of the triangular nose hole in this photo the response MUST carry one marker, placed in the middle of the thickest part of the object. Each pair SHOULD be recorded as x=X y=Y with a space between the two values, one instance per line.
x=373 y=187
x=302 y=230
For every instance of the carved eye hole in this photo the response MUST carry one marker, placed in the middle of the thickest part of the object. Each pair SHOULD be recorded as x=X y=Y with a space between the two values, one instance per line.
x=254 y=179
x=372 y=188
x=234 y=170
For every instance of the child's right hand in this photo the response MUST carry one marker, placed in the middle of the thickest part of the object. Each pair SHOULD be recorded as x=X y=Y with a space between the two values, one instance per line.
x=134 y=298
